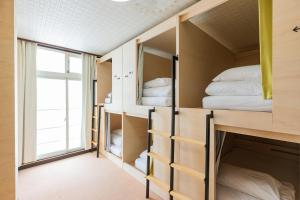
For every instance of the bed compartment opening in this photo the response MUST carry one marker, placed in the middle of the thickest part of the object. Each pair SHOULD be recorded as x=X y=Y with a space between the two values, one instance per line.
x=155 y=62
x=135 y=141
x=278 y=159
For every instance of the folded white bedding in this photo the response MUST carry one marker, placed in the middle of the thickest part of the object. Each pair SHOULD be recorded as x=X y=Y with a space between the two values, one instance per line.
x=248 y=103
x=157 y=101
x=257 y=184
x=243 y=73
x=116 y=150
x=141 y=164
x=158 y=82
x=227 y=193
x=234 y=88
x=116 y=139
x=165 y=91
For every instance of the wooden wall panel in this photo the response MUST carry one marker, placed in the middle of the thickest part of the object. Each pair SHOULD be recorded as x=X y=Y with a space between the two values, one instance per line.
x=286 y=66
x=156 y=67
x=7 y=131
x=247 y=58
x=201 y=58
x=104 y=80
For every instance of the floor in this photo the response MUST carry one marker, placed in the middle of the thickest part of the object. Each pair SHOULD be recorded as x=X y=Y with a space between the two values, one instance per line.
x=79 y=178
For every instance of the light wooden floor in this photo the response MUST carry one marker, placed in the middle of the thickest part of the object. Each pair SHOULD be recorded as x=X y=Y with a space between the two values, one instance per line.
x=79 y=178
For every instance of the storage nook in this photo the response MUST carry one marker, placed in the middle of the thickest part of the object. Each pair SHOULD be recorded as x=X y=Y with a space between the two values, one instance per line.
x=135 y=142
x=104 y=82
x=154 y=69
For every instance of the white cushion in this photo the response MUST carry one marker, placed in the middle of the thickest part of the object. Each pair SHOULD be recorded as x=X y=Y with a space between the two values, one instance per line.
x=144 y=154
x=257 y=184
x=116 y=139
x=240 y=74
x=117 y=131
x=234 y=88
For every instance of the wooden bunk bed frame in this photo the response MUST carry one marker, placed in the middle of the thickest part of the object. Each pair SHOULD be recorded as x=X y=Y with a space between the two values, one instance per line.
x=190 y=121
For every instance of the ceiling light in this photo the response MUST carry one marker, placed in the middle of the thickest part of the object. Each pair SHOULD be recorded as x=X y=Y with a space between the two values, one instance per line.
x=120 y=0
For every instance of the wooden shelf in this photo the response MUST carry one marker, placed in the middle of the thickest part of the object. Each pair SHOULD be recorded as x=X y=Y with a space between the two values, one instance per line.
x=159 y=183
x=179 y=196
x=188 y=171
x=159 y=157
x=188 y=140
x=160 y=133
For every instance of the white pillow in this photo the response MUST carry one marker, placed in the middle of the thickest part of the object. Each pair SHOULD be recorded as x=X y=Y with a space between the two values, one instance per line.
x=158 y=82
x=165 y=91
x=117 y=131
x=257 y=184
x=240 y=74
x=227 y=193
x=234 y=88
x=116 y=139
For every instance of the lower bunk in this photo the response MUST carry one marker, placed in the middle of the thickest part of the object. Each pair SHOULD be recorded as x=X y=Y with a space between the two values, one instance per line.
x=256 y=168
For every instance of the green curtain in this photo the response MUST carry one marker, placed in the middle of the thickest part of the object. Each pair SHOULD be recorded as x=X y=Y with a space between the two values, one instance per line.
x=265 y=37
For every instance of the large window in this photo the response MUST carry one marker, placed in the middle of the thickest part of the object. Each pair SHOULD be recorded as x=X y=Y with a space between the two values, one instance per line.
x=59 y=102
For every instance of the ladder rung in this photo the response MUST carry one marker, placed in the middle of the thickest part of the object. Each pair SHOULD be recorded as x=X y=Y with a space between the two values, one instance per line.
x=188 y=140
x=94 y=117
x=159 y=183
x=94 y=130
x=160 y=133
x=179 y=196
x=94 y=143
x=188 y=171
x=158 y=157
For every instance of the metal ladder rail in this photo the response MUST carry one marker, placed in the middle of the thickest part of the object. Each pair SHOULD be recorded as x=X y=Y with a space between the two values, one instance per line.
x=93 y=115
x=173 y=115
x=99 y=128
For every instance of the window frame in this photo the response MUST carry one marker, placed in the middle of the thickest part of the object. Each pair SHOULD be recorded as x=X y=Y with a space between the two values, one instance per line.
x=67 y=75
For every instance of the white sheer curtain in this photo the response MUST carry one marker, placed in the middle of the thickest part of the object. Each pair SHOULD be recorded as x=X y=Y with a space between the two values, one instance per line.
x=140 y=69
x=88 y=75
x=26 y=79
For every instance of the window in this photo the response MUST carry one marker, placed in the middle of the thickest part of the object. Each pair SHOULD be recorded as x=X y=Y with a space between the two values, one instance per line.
x=59 y=102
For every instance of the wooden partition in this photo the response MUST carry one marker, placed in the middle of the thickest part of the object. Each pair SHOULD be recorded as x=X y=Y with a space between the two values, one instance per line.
x=201 y=58
x=134 y=137
x=7 y=114
x=104 y=80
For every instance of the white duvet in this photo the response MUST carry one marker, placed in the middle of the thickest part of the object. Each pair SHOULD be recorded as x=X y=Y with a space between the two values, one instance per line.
x=248 y=103
x=234 y=88
x=157 y=101
x=165 y=91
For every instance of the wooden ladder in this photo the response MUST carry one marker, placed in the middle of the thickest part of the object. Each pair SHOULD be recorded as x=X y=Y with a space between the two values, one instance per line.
x=96 y=117
x=171 y=162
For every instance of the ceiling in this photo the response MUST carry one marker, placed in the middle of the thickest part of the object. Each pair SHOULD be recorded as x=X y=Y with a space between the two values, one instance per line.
x=95 y=26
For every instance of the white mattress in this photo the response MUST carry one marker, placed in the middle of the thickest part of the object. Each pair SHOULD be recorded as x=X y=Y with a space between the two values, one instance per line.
x=165 y=91
x=158 y=82
x=248 y=103
x=116 y=150
x=157 y=101
x=141 y=164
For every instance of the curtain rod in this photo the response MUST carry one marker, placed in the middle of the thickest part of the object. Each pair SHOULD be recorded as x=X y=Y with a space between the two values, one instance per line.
x=59 y=48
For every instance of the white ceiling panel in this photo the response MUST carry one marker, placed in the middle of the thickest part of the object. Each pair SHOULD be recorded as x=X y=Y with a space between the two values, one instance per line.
x=95 y=26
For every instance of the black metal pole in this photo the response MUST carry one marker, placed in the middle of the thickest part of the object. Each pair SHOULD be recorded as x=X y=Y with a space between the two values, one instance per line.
x=149 y=143
x=93 y=113
x=174 y=112
x=99 y=127
x=207 y=156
